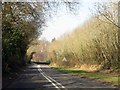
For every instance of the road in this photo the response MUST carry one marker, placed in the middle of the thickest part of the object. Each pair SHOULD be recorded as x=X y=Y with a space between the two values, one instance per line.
x=42 y=77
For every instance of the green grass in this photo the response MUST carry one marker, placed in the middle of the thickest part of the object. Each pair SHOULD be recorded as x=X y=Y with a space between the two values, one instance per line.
x=94 y=75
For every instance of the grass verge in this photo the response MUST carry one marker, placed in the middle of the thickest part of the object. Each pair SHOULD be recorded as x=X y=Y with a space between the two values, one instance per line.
x=113 y=79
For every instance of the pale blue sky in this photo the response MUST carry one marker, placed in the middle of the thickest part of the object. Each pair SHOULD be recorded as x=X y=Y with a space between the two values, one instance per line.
x=65 y=22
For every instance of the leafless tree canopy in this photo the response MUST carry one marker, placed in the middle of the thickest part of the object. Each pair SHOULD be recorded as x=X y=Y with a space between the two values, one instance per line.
x=108 y=12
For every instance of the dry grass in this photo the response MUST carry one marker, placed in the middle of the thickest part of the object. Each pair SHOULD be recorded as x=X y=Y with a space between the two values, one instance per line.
x=91 y=46
x=113 y=79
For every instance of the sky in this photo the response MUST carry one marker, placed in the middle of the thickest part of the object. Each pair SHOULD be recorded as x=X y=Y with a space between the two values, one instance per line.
x=64 y=22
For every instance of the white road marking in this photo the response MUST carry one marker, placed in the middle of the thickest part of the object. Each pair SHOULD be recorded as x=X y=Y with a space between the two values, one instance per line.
x=51 y=81
x=54 y=82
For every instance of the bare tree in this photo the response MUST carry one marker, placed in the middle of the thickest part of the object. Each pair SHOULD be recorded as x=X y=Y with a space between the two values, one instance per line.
x=107 y=12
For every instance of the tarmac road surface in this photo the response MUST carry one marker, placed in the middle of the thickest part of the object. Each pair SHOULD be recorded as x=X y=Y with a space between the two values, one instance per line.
x=42 y=77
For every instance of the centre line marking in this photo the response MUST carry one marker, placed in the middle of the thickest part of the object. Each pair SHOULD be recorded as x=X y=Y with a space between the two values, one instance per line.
x=51 y=82
x=54 y=82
